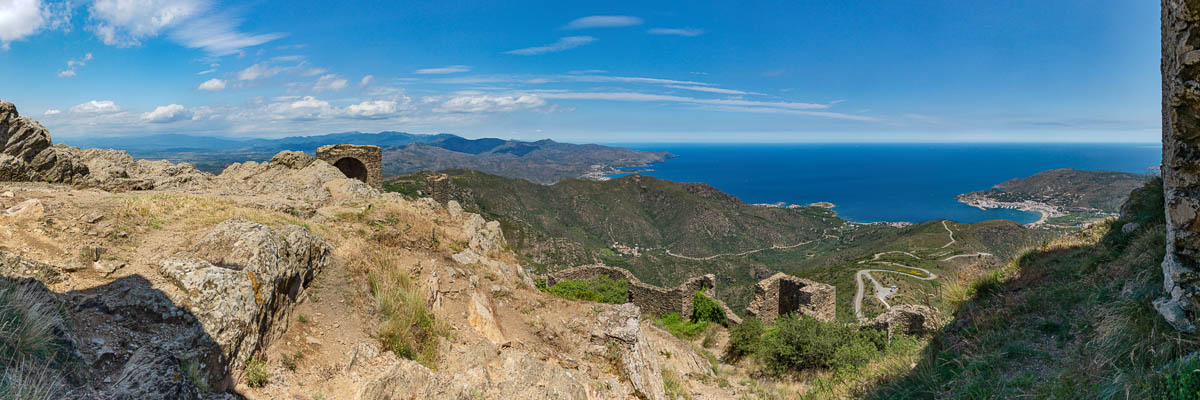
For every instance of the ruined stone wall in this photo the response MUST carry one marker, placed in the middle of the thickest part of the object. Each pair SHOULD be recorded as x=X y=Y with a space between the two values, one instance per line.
x=651 y=299
x=782 y=293
x=370 y=158
x=1181 y=159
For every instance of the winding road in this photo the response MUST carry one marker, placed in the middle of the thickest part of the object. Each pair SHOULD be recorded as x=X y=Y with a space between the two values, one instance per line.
x=881 y=292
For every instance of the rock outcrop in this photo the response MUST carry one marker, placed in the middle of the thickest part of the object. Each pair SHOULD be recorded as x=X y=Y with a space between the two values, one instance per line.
x=26 y=154
x=638 y=361
x=1181 y=162
x=782 y=293
x=241 y=280
x=909 y=319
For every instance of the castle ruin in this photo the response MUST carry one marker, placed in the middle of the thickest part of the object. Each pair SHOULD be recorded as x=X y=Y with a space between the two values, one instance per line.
x=782 y=294
x=364 y=163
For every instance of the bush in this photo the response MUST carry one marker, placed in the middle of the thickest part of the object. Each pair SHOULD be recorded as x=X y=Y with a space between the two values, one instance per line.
x=602 y=289
x=681 y=328
x=1181 y=382
x=705 y=309
x=797 y=343
x=744 y=339
x=256 y=372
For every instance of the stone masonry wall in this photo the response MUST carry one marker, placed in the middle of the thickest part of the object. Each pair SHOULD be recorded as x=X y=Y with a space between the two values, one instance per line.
x=371 y=158
x=651 y=299
x=1181 y=159
x=782 y=293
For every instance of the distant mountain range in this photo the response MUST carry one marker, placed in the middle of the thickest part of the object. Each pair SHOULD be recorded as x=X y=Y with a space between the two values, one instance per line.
x=543 y=161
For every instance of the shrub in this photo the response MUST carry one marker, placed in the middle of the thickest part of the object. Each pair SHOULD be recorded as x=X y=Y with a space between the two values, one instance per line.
x=1181 y=382
x=797 y=343
x=705 y=309
x=744 y=339
x=256 y=372
x=681 y=328
x=602 y=289
x=410 y=329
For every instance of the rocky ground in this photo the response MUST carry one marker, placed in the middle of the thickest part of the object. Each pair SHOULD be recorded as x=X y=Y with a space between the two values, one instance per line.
x=261 y=282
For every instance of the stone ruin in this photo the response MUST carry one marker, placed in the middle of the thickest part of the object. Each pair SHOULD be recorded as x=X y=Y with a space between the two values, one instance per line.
x=364 y=163
x=651 y=299
x=1181 y=162
x=782 y=293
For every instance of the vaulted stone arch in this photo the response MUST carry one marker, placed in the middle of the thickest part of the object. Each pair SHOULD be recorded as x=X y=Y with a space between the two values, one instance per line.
x=364 y=163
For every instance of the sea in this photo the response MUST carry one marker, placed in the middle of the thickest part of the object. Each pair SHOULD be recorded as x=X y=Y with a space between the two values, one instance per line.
x=886 y=182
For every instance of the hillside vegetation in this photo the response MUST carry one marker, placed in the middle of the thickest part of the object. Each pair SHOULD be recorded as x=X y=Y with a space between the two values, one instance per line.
x=1068 y=188
x=1069 y=319
x=666 y=232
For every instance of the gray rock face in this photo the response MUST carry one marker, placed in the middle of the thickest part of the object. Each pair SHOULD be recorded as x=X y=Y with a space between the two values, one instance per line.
x=26 y=154
x=241 y=280
x=1181 y=160
x=639 y=362
x=151 y=374
x=909 y=319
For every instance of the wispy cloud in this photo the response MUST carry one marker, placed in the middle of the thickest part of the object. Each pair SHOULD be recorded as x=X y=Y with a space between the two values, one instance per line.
x=449 y=69
x=603 y=21
x=636 y=96
x=489 y=104
x=689 y=32
x=823 y=114
x=710 y=89
x=565 y=43
x=73 y=64
x=96 y=107
x=330 y=82
x=192 y=23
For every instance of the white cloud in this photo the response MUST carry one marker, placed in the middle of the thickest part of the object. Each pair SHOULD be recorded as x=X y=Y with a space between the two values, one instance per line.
x=486 y=104
x=167 y=113
x=192 y=23
x=565 y=43
x=218 y=35
x=676 y=31
x=709 y=89
x=372 y=109
x=96 y=107
x=366 y=80
x=306 y=109
x=52 y=112
x=212 y=85
x=603 y=21
x=259 y=71
x=73 y=64
x=20 y=19
x=634 y=96
x=449 y=69
x=329 y=82
x=125 y=23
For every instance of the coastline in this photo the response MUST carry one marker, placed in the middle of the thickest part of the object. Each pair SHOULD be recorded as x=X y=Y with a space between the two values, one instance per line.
x=1045 y=211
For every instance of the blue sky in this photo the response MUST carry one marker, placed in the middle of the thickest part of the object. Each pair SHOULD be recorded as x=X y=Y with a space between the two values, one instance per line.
x=643 y=71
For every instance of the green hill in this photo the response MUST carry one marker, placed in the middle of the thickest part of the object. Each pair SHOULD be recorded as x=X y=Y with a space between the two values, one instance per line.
x=665 y=232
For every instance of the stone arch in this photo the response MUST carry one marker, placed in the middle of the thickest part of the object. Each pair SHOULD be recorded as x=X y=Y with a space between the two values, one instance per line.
x=352 y=168
x=364 y=163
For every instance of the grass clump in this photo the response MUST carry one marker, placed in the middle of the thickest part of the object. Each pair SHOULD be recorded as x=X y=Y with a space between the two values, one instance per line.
x=602 y=290
x=410 y=329
x=681 y=328
x=255 y=373
x=33 y=353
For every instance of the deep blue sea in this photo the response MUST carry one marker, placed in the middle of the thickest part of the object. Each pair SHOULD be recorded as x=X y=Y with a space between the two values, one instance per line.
x=886 y=182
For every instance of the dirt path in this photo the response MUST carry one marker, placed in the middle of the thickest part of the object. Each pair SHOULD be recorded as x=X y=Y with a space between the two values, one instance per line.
x=952 y=240
x=747 y=252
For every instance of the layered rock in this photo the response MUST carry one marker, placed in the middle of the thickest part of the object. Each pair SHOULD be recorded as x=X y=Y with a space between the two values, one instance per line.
x=26 y=154
x=241 y=280
x=1181 y=162
x=638 y=361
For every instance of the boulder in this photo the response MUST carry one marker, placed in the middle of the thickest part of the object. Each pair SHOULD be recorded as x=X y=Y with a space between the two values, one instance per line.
x=21 y=137
x=639 y=362
x=486 y=237
x=153 y=374
x=26 y=154
x=241 y=280
x=60 y=165
x=483 y=319
x=291 y=159
x=909 y=319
